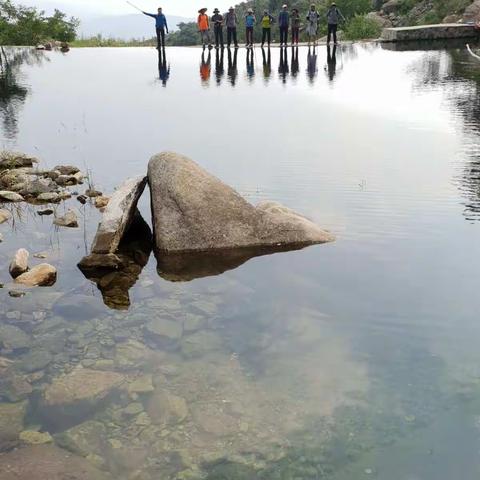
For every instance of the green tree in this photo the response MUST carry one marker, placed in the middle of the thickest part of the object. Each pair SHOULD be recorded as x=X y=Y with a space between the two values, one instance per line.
x=20 y=25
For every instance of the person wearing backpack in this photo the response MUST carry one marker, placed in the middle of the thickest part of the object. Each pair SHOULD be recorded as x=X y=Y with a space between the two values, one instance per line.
x=333 y=17
x=312 y=25
x=204 y=27
x=266 y=22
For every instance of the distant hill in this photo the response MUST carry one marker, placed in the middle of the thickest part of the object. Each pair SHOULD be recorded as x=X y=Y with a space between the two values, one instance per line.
x=125 y=27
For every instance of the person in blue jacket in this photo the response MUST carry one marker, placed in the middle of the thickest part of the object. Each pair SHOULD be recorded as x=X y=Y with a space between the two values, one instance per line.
x=161 y=27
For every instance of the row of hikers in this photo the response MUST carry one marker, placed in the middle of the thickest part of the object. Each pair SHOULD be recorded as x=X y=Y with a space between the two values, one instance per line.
x=287 y=21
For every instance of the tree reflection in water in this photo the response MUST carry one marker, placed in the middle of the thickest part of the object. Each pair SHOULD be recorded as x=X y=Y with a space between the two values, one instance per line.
x=12 y=92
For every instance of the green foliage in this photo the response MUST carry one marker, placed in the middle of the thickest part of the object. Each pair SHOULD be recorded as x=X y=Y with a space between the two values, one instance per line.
x=361 y=27
x=99 y=41
x=187 y=34
x=20 y=25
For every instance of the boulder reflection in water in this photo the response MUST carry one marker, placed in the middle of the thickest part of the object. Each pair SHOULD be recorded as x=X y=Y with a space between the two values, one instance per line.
x=134 y=251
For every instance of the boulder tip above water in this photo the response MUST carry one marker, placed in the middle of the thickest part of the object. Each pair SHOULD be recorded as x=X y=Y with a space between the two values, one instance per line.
x=193 y=211
x=19 y=263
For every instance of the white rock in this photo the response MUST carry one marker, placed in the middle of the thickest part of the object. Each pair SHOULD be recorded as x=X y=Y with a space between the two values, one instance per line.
x=19 y=263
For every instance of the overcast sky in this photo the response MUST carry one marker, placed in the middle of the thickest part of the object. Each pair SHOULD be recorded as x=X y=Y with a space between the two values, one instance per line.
x=80 y=8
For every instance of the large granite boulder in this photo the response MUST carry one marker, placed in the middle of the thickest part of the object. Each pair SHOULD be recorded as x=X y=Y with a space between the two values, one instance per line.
x=118 y=215
x=193 y=211
x=47 y=462
x=472 y=12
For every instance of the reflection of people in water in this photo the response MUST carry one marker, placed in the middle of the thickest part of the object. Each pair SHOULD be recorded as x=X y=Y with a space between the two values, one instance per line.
x=163 y=68
x=295 y=65
x=283 y=65
x=205 y=68
x=331 y=62
x=267 y=64
x=232 y=66
x=219 y=70
x=311 y=64
x=250 y=65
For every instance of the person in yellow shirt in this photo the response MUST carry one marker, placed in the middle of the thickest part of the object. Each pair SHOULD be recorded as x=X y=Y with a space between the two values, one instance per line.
x=203 y=23
x=266 y=22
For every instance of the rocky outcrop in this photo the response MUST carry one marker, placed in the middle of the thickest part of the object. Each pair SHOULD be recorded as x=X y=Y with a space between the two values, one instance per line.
x=15 y=160
x=43 y=275
x=382 y=20
x=472 y=12
x=195 y=212
x=19 y=263
x=47 y=462
x=118 y=215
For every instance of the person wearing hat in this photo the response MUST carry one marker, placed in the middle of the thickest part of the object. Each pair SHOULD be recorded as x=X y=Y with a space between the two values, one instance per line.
x=204 y=27
x=160 y=26
x=312 y=24
x=217 y=20
x=266 y=22
x=231 y=21
x=249 y=24
x=295 y=26
x=333 y=17
x=283 y=21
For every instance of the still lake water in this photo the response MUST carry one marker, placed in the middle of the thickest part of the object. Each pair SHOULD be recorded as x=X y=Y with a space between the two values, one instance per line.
x=356 y=359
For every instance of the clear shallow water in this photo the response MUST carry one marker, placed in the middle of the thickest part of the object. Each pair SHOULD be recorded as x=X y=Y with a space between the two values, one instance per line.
x=343 y=361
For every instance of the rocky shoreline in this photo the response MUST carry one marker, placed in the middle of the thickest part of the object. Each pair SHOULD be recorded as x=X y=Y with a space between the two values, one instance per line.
x=139 y=392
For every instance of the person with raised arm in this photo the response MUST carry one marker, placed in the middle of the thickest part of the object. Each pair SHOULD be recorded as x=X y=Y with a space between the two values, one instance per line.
x=161 y=26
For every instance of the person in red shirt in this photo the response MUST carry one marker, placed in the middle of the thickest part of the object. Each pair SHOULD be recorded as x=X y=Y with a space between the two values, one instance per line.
x=203 y=23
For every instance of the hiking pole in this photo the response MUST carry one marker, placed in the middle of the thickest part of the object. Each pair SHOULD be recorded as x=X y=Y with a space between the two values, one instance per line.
x=134 y=6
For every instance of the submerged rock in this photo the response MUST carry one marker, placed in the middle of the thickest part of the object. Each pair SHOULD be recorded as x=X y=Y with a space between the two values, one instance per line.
x=43 y=275
x=118 y=215
x=167 y=409
x=10 y=196
x=195 y=211
x=19 y=263
x=11 y=424
x=31 y=437
x=81 y=385
x=4 y=215
x=47 y=462
x=84 y=439
x=164 y=330
x=13 y=338
x=68 y=220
